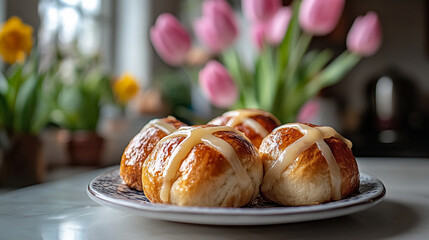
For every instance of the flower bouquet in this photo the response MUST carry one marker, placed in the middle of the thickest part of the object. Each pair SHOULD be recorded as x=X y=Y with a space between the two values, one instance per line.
x=284 y=75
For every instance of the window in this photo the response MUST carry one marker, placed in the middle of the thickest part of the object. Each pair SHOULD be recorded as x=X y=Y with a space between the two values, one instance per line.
x=73 y=23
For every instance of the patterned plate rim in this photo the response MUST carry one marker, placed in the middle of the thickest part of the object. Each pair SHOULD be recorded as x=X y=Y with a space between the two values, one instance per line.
x=371 y=197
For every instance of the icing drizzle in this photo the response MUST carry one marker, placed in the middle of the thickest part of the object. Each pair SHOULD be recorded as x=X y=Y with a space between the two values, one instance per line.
x=161 y=124
x=133 y=155
x=244 y=116
x=194 y=136
x=312 y=135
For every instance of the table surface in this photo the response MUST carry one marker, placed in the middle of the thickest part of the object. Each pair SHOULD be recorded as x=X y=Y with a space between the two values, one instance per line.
x=62 y=210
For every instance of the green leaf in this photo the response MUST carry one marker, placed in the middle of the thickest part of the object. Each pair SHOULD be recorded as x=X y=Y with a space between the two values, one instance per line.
x=314 y=62
x=264 y=74
x=230 y=62
x=15 y=79
x=93 y=81
x=296 y=56
x=242 y=78
x=13 y=75
x=69 y=103
x=305 y=62
x=257 y=79
x=339 y=67
x=26 y=101
x=289 y=104
x=283 y=58
x=3 y=84
x=42 y=114
x=59 y=117
x=319 y=62
x=309 y=57
x=4 y=111
x=78 y=109
x=290 y=38
x=90 y=112
x=335 y=71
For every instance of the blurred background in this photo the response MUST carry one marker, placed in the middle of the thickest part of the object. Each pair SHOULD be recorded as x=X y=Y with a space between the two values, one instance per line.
x=381 y=105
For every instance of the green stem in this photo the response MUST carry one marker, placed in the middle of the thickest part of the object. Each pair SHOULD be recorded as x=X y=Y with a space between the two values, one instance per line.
x=241 y=78
x=284 y=56
x=298 y=94
x=266 y=79
x=296 y=57
x=336 y=70
x=290 y=39
x=290 y=82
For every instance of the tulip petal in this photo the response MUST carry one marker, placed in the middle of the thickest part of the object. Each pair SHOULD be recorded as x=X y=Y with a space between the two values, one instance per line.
x=365 y=35
x=217 y=85
x=319 y=17
x=278 y=25
x=217 y=28
x=258 y=32
x=170 y=39
x=260 y=10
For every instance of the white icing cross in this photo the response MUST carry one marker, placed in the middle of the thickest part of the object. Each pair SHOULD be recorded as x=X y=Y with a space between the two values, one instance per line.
x=194 y=136
x=311 y=136
x=161 y=124
x=243 y=116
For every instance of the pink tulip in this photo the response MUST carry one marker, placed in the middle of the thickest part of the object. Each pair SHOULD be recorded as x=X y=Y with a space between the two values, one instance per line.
x=170 y=39
x=257 y=32
x=319 y=17
x=217 y=28
x=260 y=10
x=217 y=85
x=211 y=7
x=278 y=25
x=365 y=35
x=308 y=112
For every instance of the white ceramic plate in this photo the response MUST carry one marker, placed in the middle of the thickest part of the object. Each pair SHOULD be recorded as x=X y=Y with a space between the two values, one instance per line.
x=109 y=189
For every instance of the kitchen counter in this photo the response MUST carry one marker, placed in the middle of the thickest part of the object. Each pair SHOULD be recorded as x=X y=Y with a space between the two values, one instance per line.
x=62 y=210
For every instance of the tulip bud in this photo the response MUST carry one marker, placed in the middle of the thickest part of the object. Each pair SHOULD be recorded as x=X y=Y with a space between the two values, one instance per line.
x=319 y=17
x=211 y=7
x=217 y=28
x=257 y=32
x=170 y=39
x=260 y=10
x=218 y=85
x=365 y=35
x=308 y=111
x=278 y=25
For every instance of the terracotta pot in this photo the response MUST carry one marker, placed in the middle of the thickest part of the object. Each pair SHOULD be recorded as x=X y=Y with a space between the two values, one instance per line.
x=23 y=162
x=84 y=147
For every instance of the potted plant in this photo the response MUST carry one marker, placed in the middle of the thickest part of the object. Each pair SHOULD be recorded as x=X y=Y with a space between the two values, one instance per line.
x=24 y=109
x=82 y=88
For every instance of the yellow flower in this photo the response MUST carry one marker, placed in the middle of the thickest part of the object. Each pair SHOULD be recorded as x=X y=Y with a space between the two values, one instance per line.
x=16 y=40
x=125 y=87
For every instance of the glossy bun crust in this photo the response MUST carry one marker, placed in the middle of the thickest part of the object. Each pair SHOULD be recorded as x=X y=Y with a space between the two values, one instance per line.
x=139 y=149
x=203 y=176
x=307 y=180
x=267 y=121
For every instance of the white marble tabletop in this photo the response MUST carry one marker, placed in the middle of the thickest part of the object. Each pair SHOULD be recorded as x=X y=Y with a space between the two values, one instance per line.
x=62 y=210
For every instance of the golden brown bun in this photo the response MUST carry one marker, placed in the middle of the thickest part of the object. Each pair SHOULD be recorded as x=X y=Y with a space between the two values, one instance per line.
x=205 y=176
x=307 y=180
x=139 y=149
x=267 y=121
